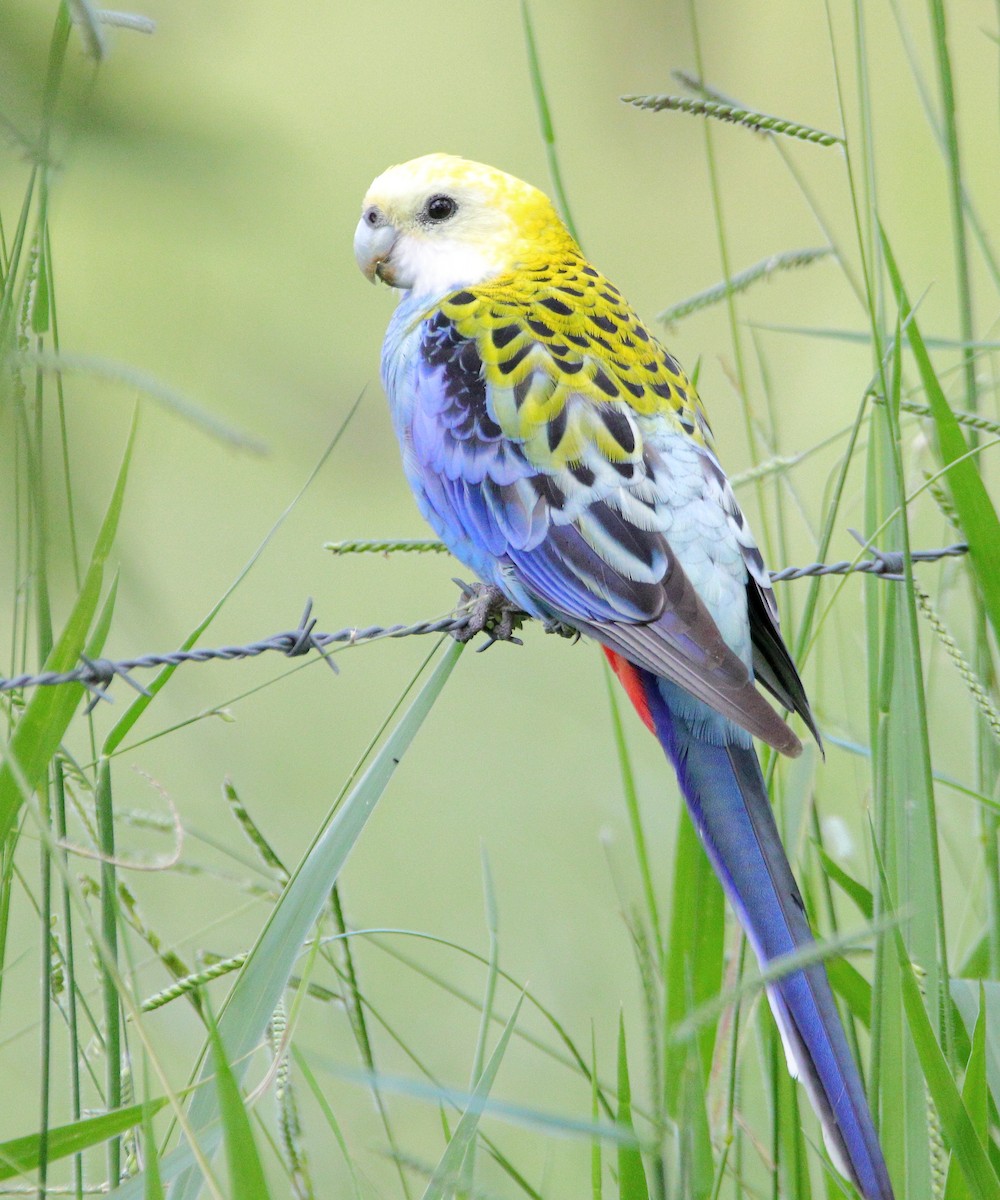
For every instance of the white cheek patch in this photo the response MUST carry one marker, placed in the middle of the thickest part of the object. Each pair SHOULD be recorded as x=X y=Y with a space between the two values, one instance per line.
x=429 y=267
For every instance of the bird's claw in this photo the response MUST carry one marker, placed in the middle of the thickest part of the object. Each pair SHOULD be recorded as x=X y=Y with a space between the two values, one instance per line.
x=491 y=612
x=561 y=629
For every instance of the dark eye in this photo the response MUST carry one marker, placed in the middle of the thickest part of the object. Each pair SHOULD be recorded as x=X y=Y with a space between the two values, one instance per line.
x=440 y=208
x=372 y=216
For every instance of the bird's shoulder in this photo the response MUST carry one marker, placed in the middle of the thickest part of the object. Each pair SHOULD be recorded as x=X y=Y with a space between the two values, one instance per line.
x=559 y=344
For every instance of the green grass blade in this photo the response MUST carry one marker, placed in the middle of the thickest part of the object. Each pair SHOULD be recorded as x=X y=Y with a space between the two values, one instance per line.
x=693 y=975
x=861 y=895
x=956 y=1120
x=22 y=1154
x=545 y=119
x=973 y=506
x=441 y=1096
x=788 y=1140
x=246 y=1172
x=139 y=705
x=852 y=987
x=265 y=974
x=109 y=932
x=450 y=1164
x=953 y=161
x=976 y=1098
x=819 y=951
x=632 y=807
x=631 y=1174
x=965 y=993
x=489 y=999
x=154 y=1184
x=134 y=379
x=596 y=1169
x=50 y=710
x=328 y=1115
x=698 y=1168
x=695 y=952
x=903 y=793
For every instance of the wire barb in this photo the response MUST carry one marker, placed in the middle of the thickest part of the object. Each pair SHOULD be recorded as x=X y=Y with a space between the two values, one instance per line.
x=302 y=640
x=97 y=674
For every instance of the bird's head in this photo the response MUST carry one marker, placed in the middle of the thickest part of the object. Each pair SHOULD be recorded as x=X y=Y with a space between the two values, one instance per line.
x=440 y=222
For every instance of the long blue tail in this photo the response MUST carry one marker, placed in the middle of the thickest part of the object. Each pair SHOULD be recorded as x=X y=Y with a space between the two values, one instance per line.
x=729 y=805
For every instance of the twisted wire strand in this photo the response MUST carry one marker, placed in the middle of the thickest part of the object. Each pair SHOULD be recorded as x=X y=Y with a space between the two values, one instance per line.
x=97 y=674
x=888 y=564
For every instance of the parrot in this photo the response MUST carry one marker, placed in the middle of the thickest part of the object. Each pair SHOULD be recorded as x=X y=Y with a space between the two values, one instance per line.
x=562 y=454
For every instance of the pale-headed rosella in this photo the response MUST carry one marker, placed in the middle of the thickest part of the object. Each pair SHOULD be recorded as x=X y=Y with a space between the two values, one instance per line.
x=561 y=452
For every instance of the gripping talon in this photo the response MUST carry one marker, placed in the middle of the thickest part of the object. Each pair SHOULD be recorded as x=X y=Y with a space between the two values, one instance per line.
x=561 y=629
x=491 y=612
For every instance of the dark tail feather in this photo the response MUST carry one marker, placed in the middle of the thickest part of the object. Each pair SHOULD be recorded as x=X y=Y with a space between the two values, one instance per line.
x=728 y=801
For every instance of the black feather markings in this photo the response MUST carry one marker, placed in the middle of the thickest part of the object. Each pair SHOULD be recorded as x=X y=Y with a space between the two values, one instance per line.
x=539 y=328
x=605 y=324
x=773 y=665
x=557 y=306
x=465 y=416
x=605 y=383
x=638 y=601
x=546 y=489
x=643 y=545
x=556 y=428
x=503 y=335
x=619 y=426
x=508 y=365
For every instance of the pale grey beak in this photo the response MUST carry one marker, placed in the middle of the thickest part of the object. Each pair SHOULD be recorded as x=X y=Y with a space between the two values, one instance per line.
x=374 y=239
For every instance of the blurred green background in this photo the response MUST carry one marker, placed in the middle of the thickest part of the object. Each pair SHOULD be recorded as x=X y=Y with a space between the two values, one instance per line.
x=209 y=179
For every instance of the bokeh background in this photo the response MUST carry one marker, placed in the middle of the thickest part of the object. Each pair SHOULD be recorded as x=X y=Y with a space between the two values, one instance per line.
x=208 y=181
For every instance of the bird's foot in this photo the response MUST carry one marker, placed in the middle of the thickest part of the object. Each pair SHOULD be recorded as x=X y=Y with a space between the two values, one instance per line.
x=561 y=629
x=491 y=612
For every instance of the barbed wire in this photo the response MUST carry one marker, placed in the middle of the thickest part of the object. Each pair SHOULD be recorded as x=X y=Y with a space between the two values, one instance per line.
x=97 y=674
x=887 y=564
